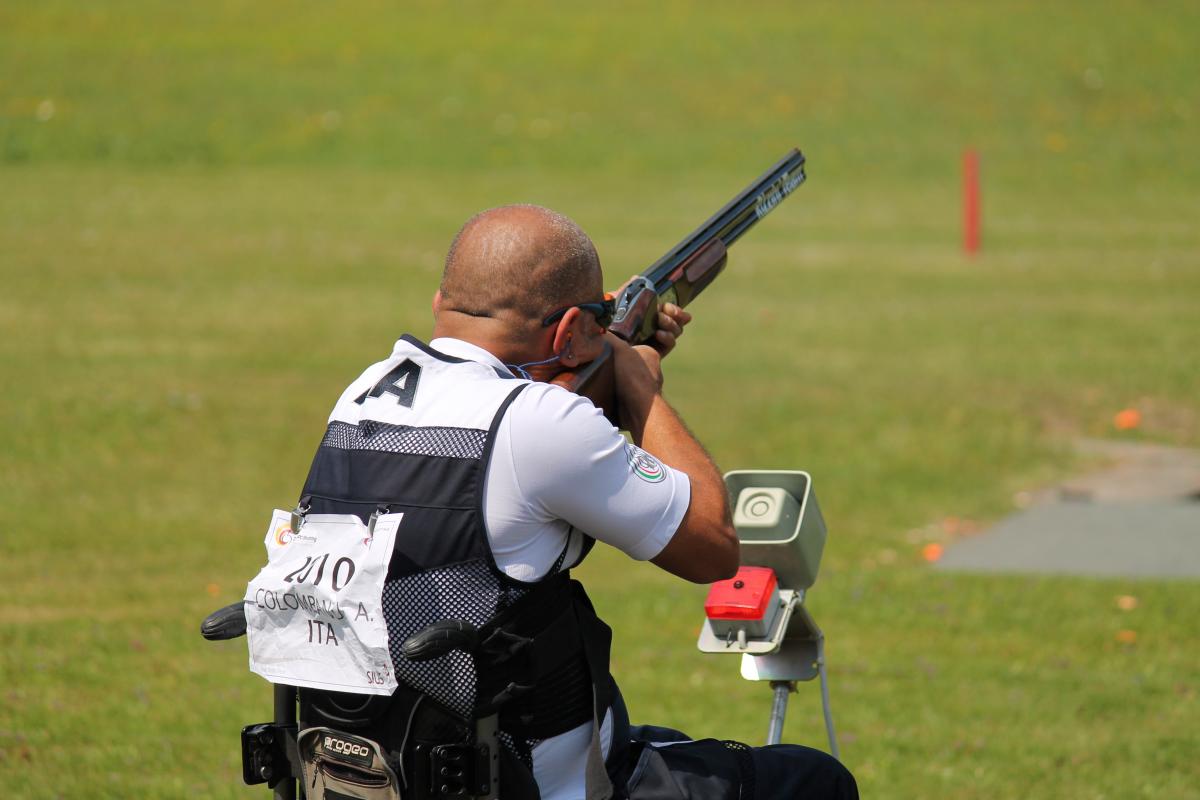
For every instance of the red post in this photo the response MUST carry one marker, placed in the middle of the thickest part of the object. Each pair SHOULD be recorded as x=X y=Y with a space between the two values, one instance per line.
x=970 y=202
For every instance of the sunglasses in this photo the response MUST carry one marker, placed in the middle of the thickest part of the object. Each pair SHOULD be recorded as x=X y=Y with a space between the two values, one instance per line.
x=602 y=310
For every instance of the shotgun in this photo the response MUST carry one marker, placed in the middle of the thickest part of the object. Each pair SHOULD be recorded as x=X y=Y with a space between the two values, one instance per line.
x=684 y=272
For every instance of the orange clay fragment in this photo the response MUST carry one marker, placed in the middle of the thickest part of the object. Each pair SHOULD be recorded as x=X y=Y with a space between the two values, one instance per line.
x=1127 y=419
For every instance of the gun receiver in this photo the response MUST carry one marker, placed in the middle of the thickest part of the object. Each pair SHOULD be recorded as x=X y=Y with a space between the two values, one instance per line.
x=682 y=273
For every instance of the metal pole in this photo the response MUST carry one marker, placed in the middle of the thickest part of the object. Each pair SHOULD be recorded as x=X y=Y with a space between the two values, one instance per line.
x=285 y=714
x=778 y=710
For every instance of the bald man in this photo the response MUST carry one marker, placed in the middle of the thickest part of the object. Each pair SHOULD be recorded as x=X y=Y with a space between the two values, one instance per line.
x=505 y=481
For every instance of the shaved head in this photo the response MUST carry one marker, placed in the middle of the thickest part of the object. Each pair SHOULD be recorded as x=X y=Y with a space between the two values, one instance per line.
x=518 y=263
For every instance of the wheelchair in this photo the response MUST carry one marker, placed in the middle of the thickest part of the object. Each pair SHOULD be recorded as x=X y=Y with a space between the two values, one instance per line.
x=376 y=746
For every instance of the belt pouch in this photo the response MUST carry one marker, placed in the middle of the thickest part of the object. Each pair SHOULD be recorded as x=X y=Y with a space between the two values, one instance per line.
x=338 y=766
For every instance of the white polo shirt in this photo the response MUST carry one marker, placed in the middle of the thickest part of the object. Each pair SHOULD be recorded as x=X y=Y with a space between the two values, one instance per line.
x=560 y=468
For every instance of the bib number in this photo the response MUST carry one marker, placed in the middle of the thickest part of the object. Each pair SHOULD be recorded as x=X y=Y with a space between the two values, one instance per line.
x=314 y=613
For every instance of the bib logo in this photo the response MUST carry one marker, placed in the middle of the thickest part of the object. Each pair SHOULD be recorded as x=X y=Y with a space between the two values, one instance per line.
x=644 y=465
x=353 y=750
x=284 y=535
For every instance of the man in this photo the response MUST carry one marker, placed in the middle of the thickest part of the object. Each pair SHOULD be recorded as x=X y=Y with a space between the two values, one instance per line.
x=505 y=482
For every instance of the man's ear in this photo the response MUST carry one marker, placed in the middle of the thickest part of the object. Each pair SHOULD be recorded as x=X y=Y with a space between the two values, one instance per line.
x=437 y=301
x=569 y=330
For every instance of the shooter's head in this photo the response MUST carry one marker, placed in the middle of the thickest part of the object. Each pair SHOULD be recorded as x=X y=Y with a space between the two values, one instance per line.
x=510 y=268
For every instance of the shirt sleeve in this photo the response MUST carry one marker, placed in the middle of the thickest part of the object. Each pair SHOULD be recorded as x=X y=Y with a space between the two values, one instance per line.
x=570 y=463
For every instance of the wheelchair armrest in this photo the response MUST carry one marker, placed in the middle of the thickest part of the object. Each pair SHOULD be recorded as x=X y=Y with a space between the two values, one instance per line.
x=226 y=623
x=440 y=638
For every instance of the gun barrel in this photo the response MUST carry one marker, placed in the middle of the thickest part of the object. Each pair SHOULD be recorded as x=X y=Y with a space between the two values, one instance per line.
x=736 y=217
x=685 y=271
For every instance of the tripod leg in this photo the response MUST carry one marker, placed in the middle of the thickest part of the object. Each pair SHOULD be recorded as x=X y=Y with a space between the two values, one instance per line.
x=778 y=709
x=833 y=745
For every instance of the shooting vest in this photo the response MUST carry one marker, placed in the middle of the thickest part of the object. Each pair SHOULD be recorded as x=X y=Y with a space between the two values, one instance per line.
x=414 y=434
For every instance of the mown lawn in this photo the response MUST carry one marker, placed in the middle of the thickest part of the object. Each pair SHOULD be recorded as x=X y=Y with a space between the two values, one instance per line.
x=210 y=220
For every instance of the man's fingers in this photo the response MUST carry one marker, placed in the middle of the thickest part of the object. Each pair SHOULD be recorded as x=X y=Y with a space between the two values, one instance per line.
x=676 y=313
x=670 y=321
x=669 y=324
x=672 y=318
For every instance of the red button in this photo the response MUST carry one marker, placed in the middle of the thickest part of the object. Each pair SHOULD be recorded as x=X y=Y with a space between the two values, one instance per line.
x=744 y=596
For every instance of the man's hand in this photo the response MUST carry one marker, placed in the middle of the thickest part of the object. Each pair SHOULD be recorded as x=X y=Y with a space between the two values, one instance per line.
x=671 y=319
x=638 y=368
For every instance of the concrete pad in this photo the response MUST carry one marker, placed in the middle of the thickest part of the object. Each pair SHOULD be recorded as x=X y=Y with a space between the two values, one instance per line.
x=1139 y=516
x=1118 y=540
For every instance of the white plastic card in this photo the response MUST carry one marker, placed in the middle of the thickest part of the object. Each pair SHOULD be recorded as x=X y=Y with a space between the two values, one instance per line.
x=314 y=613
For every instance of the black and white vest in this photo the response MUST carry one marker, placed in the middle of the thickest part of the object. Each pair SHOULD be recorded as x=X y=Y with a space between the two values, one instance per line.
x=414 y=434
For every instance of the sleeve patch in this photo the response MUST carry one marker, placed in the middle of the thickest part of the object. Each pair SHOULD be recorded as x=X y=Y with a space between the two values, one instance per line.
x=644 y=465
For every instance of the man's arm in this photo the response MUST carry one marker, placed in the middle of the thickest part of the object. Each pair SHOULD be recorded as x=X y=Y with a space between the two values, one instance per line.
x=705 y=546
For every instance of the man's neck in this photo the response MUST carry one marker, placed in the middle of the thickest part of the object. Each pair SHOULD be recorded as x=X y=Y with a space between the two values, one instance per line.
x=484 y=332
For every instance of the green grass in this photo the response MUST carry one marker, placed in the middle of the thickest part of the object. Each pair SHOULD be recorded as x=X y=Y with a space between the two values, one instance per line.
x=195 y=258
